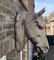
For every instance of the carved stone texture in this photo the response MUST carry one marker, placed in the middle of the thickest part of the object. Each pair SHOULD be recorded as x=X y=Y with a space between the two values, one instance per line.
x=36 y=33
x=8 y=7
x=2 y=35
x=1 y=9
x=0 y=27
x=6 y=47
x=7 y=43
x=9 y=33
x=8 y=26
x=2 y=18
x=20 y=33
x=13 y=55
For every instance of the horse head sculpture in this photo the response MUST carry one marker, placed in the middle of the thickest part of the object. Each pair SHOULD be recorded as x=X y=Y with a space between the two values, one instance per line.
x=30 y=26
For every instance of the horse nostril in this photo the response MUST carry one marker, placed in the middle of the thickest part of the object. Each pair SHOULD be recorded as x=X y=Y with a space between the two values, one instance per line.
x=46 y=47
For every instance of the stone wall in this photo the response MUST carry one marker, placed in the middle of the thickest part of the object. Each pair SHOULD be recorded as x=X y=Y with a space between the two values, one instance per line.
x=8 y=9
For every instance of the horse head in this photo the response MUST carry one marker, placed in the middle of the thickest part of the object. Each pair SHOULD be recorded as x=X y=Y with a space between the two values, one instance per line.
x=30 y=26
x=35 y=32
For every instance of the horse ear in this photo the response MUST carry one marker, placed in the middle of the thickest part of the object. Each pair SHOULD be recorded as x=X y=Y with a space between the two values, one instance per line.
x=39 y=13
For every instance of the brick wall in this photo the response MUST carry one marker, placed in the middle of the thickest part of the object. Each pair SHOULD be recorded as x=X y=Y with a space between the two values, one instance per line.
x=8 y=8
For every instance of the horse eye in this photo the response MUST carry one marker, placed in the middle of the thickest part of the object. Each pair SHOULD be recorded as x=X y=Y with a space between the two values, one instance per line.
x=40 y=27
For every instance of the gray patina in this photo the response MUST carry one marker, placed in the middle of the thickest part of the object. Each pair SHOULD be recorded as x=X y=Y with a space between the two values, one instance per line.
x=30 y=26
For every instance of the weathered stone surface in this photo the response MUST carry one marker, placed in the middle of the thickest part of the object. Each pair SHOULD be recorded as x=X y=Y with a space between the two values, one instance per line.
x=1 y=9
x=12 y=44
x=11 y=1
x=2 y=35
x=7 y=46
x=13 y=56
x=0 y=27
x=4 y=52
x=2 y=18
x=0 y=50
x=9 y=33
x=8 y=9
x=8 y=26
x=4 y=2
x=8 y=20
